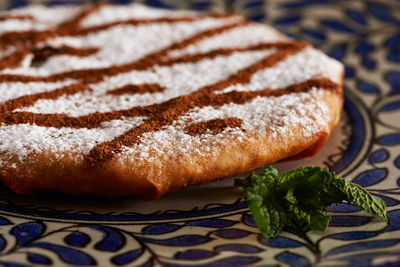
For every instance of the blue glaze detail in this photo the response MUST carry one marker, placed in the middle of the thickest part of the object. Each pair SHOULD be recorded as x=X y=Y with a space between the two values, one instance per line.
x=349 y=221
x=243 y=248
x=365 y=256
x=293 y=259
x=231 y=233
x=63 y=2
x=356 y=16
x=381 y=13
x=349 y=72
x=394 y=220
x=257 y=17
x=288 y=20
x=336 y=25
x=27 y=232
x=394 y=56
x=4 y=221
x=12 y=264
x=353 y=235
x=389 y=139
x=368 y=63
x=367 y=88
x=159 y=229
x=234 y=261
x=371 y=177
x=357 y=138
x=392 y=41
x=364 y=47
x=391 y=106
x=18 y=3
x=3 y=243
x=248 y=220
x=112 y=240
x=343 y=207
x=126 y=257
x=393 y=77
x=378 y=156
x=281 y=242
x=179 y=241
x=253 y=4
x=314 y=33
x=397 y=162
x=338 y=52
x=201 y=5
x=158 y=3
x=124 y=218
x=77 y=239
x=194 y=254
x=39 y=259
x=69 y=255
x=214 y=223
x=363 y=245
x=302 y=3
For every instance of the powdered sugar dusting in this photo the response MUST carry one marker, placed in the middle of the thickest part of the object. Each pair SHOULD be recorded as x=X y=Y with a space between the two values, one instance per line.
x=109 y=14
x=179 y=79
x=305 y=65
x=27 y=139
x=245 y=36
x=127 y=43
x=278 y=115
x=12 y=90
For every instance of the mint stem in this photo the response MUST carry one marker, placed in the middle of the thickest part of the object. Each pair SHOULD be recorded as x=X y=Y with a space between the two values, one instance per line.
x=310 y=244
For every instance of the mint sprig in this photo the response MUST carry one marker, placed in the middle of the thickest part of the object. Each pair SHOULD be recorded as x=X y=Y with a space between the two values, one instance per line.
x=299 y=198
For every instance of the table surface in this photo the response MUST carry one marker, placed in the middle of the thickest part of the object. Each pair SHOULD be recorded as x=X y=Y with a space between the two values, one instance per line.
x=187 y=228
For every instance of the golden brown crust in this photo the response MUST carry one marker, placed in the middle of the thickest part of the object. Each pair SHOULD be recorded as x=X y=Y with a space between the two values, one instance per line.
x=153 y=179
x=104 y=167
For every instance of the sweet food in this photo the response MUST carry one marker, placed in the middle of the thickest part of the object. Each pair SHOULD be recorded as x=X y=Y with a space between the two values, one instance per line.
x=130 y=100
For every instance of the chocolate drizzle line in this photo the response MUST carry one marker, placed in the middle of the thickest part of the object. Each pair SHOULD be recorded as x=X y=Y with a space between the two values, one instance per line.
x=157 y=115
x=137 y=89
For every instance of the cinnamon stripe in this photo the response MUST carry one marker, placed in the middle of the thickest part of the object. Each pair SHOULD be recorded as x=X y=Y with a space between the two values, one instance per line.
x=169 y=111
x=97 y=75
x=137 y=89
x=72 y=27
x=42 y=54
x=161 y=114
x=22 y=101
x=16 y=17
x=14 y=59
x=29 y=100
x=158 y=115
x=215 y=126
x=27 y=39
x=136 y=22
x=243 y=76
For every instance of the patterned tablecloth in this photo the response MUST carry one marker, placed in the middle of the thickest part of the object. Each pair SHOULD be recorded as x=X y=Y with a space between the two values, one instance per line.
x=210 y=225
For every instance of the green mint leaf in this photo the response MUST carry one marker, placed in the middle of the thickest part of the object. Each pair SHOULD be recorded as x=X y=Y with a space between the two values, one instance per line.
x=364 y=200
x=266 y=208
x=299 y=198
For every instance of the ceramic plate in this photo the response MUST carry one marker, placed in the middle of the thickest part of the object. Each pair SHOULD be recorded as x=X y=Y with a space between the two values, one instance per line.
x=211 y=225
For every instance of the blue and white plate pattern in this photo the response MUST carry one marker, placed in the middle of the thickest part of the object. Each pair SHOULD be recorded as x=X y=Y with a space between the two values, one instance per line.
x=211 y=225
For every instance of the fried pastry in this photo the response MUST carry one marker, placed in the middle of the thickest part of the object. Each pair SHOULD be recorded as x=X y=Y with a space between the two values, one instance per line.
x=129 y=100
